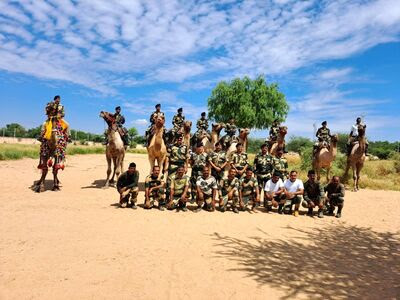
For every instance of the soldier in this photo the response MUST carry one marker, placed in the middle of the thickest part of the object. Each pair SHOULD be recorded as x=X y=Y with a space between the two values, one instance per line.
x=230 y=129
x=294 y=189
x=273 y=132
x=280 y=164
x=202 y=126
x=120 y=121
x=335 y=196
x=248 y=190
x=178 y=190
x=353 y=136
x=177 y=123
x=263 y=166
x=217 y=161
x=156 y=114
x=127 y=186
x=198 y=160
x=313 y=195
x=323 y=135
x=274 y=193
x=239 y=161
x=229 y=191
x=177 y=156
x=154 y=189
x=206 y=190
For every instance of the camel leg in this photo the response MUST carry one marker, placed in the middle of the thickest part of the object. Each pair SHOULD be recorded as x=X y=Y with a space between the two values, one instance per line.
x=151 y=161
x=354 y=178
x=358 y=172
x=106 y=184
x=39 y=186
x=118 y=168
x=55 y=180
x=114 y=170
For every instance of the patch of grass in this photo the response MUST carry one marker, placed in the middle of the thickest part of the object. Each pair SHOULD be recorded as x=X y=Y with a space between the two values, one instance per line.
x=136 y=151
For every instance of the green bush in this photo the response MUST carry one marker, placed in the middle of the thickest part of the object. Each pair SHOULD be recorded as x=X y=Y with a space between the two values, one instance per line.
x=297 y=143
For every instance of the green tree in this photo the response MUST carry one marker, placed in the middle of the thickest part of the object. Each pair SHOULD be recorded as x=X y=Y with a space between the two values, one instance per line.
x=14 y=128
x=34 y=132
x=297 y=143
x=252 y=103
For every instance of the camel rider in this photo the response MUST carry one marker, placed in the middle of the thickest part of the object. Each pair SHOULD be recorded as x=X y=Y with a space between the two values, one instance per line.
x=156 y=114
x=323 y=135
x=230 y=129
x=119 y=120
x=353 y=136
x=202 y=125
x=273 y=132
x=55 y=112
x=177 y=122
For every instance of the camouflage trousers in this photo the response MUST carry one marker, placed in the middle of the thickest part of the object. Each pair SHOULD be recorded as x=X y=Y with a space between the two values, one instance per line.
x=176 y=201
x=246 y=199
x=207 y=199
x=156 y=196
x=262 y=180
x=128 y=194
x=234 y=201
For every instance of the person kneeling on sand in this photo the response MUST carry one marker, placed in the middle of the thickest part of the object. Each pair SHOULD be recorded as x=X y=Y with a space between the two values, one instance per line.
x=179 y=186
x=335 y=196
x=313 y=195
x=248 y=190
x=206 y=190
x=293 y=191
x=154 y=189
x=127 y=186
x=274 y=193
x=229 y=191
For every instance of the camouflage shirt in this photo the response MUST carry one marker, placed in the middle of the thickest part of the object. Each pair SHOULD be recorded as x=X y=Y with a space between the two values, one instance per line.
x=274 y=131
x=207 y=185
x=119 y=119
x=198 y=161
x=202 y=124
x=281 y=165
x=263 y=164
x=179 y=184
x=152 y=181
x=240 y=160
x=230 y=129
x=335 y=191
x=178 y=154
x=248 y=186
x=217 y=158
x=178 y=120
x=156 y=115
x=313 y=191
x=323 y=134
x=226 y=185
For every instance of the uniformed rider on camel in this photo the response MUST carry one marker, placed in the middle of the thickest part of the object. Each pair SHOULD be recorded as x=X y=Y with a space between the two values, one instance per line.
x=230 y=137
x=119 y=120
x=273 y=134
x=202 y=127
x=323 y=138
x=177 y=123
x=149 y=131
x=353 y=136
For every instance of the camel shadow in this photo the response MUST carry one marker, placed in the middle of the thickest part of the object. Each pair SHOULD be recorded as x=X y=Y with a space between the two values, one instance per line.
x=48 y=185
x=97 y=184
x=329 y=263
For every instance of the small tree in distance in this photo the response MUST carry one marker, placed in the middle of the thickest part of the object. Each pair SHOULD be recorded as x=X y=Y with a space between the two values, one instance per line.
x=252 y=103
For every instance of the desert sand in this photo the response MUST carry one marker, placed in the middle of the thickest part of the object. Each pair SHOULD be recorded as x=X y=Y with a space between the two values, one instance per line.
x=77 y=244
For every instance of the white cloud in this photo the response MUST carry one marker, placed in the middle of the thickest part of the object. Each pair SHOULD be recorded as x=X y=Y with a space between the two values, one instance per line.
x=98 y=44
x=140 y=122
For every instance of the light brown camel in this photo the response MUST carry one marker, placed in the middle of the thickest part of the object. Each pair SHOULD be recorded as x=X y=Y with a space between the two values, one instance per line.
x=324 y=158
x=187 y=127
x=280 y=142
x=115 y=149
x=243 y=139
x=357 y=157
x=157 y=151
x=216 y=130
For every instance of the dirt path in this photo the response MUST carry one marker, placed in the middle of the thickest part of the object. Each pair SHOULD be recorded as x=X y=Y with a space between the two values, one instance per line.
x=76 y=244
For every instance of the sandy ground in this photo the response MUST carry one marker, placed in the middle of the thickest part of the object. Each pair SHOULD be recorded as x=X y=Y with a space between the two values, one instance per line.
x=76 y=244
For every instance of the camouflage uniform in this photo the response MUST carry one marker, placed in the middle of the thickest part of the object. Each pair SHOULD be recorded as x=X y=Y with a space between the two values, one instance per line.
x=218 y=159
x=230 y=137
x=127 y=186
x=156 y=194
x=226 y=185
x=207 y=186
x=324 y=136
x=263 y=168
x=202 y=126
x=273 y=133
x=313 y=192
x=240 y=161
x=178 y=185
x=177 y=157
x=248 y=190
x=281 y=165
x=177 y=123
x=154 y=116
x=198 y=162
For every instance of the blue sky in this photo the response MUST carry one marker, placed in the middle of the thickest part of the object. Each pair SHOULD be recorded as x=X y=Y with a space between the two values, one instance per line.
x=333 y=59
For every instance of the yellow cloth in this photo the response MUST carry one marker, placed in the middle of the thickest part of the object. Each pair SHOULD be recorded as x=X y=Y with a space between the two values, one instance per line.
x=49 y=128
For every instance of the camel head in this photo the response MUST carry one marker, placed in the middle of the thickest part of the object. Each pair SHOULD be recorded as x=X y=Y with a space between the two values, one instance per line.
x=361 y=130
x=159 y=123
x=243 y=133
x=334 y=138
x=109 y=118
x=282 y=131
x=217 y=127
x=187 y=126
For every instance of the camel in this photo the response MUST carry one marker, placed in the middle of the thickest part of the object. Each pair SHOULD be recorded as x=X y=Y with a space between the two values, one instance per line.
x=324 y=158
x=187 y=127
x=243 y=134
x=216 y=129
x=357 y=157
x=280 y=142
x=115 y=149
x=54 y=148
x=156 y=150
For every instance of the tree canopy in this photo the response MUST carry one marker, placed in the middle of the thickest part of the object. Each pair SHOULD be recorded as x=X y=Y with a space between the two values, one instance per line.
x=252 y=103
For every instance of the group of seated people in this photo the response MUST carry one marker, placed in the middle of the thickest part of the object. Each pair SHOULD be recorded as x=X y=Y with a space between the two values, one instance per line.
x=238 y=188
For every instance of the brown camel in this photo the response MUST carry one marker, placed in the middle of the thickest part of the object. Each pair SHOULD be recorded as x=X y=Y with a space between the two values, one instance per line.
x=157 y=151
x=280 y=142
x=243 y=134
x=187 y=127
x=324 y=158
x=115 y=149
x=216 y=130
x=52 y=149
x=357 y=157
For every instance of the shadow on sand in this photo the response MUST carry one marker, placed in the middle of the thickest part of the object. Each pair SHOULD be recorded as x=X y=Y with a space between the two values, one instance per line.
x=329 y=263
x=48 y=185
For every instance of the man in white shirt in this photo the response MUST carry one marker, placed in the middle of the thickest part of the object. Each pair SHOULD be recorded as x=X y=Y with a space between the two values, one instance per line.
x=353 y=136
x=294 y=189
x=274 y=193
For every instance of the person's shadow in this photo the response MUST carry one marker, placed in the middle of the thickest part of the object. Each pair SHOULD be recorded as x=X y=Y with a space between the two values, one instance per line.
x=329 y=263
